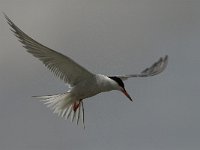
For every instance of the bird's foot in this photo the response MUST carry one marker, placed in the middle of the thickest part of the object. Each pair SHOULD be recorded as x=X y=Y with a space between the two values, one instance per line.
x=76 y=105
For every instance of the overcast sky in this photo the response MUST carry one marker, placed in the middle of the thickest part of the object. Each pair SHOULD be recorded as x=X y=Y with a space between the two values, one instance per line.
x=108 y=37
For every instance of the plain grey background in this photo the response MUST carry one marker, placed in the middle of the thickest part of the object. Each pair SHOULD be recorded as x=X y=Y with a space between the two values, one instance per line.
x=108 y=37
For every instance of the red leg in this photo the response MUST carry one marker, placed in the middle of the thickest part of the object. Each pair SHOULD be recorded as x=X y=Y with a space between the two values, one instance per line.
x=76 y=106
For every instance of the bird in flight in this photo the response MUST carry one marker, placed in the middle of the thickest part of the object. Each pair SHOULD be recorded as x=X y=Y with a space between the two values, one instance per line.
x=82 y=83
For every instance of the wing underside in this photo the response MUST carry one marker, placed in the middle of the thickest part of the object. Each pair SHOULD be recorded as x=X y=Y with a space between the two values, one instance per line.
x=153 y=70
x=62 y=66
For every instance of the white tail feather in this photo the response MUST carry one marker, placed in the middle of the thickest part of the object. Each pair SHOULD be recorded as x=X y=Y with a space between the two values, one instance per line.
x=62 y=104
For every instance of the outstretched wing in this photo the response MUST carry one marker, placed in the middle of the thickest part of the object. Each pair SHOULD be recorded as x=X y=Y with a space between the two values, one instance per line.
x=62 y=66
x=155 y=69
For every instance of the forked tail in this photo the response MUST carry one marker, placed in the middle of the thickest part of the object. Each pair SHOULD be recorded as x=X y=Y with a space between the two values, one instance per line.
x=65 y=106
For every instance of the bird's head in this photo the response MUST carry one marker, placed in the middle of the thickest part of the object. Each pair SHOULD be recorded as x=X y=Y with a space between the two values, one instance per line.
x=120 y=86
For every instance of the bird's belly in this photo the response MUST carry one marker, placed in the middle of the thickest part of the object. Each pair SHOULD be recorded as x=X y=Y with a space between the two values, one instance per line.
x=84 y=92
x=89 y=88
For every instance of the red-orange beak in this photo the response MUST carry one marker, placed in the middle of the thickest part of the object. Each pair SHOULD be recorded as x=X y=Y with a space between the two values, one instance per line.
x=127 y=95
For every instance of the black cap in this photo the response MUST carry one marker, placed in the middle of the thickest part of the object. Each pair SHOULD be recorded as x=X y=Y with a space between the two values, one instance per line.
x=118 y=80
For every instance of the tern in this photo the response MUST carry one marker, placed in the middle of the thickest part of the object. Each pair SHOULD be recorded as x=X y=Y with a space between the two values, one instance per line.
x=82 y=83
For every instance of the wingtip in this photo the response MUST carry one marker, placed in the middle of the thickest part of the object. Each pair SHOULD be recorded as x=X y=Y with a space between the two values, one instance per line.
x=166 y=60
x=166 y=57
x=7 y=18
x=164 y=63
x=4 y=14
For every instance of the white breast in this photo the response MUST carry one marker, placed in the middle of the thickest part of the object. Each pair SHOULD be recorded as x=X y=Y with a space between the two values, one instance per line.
x=92 y=86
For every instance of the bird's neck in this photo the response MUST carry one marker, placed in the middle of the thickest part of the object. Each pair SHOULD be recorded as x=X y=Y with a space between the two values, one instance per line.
x=105 y=83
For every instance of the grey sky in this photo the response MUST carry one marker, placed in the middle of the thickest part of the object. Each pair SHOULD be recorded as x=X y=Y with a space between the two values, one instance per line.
x=108 y=37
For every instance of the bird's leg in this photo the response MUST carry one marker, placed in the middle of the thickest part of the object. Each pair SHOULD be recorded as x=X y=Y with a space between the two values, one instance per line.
x=76 y=105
